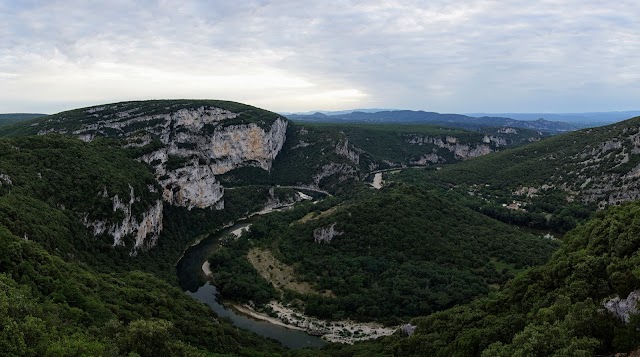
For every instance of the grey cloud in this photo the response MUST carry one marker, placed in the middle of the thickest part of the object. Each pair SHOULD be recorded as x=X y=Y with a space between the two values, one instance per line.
x=460 y=56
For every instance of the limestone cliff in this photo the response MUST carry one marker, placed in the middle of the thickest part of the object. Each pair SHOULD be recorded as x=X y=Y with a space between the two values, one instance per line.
x=453 y=144
x=144 y=229
x=624 y=308
x=186 y=143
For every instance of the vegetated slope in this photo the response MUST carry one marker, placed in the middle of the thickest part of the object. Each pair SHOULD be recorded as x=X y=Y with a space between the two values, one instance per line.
x=432 y=118
x=11 y=118
x=187 y=143
x=52 y=307
x=89 y=188
x=385 y=255
x=90 y=203
x=63 y=290
x=556 y=309
x=325 y=156
x=598 y=165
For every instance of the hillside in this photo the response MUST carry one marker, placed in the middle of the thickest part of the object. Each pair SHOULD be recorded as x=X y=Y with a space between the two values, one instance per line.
x=74 y=224
x=385 y=255
x=97 y=209
x=49 y=306
x=573 y=305
x=326 y=155
x=596 y=166
x=198 y=147
x=432 y=118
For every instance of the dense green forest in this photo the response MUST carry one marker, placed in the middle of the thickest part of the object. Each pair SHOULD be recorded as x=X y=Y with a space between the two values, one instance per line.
x=49 y=307
x=548 y=210
x=448 y=247
x=66 y=292
x=400 y=252
x=555 y=309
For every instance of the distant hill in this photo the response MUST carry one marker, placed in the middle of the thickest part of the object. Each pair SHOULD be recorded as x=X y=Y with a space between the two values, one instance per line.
x=582 y=119
x=422 y=117
x=11 y=118
x=337 y=112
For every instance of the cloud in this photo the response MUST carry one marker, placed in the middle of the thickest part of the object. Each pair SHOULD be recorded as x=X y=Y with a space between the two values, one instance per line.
x=518 y=55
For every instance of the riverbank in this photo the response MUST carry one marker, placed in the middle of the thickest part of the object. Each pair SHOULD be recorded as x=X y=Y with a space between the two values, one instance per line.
x=343 y=331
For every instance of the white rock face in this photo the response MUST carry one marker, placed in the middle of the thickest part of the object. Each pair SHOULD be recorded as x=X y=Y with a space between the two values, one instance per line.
x=343 y=171
x=5 y=180
x=450 y=143
x=196 y=145
x=353 y=153
x=624 y=308
x=496 y=140
x=145 y=230
x=192 y=186
x=326 y=234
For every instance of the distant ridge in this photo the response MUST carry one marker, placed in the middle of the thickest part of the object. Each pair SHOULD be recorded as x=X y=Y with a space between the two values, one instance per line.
x=422 y=117
x=337 y=112
x=590 y=118
x=11 y=118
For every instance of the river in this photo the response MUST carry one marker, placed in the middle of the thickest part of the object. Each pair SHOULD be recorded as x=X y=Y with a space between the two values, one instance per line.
x=195 y=284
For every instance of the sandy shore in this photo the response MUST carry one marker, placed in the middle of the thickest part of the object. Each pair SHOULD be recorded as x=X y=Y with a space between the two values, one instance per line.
x=246 y=310
x=343 y=331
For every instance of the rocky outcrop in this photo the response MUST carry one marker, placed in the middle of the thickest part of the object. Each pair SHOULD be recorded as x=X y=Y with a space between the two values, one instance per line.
x=353 y=153
x=624 y=308
x=408 y=329
x=452 y=144
x=192 y=186
x=602 y=174
x=343 y=172
x=195 y=145
x=427 y=159
x=145 y=229
x=507 y=130
x=326 y=234
x=495 y=140
x=5 y=180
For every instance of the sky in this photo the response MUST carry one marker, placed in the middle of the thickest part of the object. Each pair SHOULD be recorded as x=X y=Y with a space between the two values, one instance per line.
x=288 y=56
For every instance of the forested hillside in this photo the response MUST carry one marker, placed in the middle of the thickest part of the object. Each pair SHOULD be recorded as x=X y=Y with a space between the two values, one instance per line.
x=385 y=255
x=68 y=292
x=327 y=155
x=597 y=165
x=556 y=309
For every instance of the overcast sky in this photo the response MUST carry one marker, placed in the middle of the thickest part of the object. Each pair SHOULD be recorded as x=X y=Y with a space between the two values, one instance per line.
x=446 y=56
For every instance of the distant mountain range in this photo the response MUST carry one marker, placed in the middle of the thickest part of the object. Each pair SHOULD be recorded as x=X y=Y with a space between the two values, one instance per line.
x=591 y=118
x=16 y=117
x=422 y=117
x=576 y=120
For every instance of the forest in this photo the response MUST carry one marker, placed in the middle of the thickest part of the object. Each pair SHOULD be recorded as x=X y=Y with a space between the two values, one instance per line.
x=401 y=253
x=441 y=247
